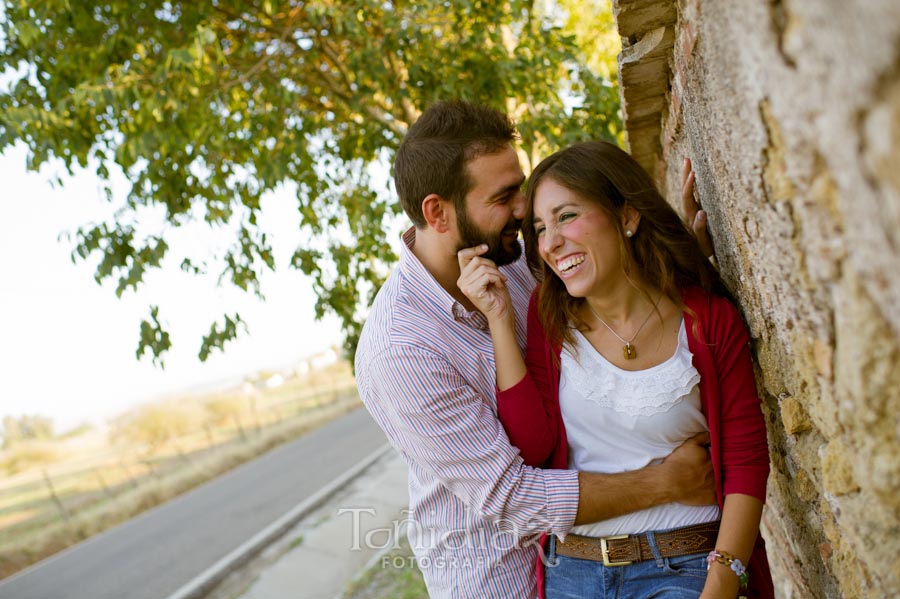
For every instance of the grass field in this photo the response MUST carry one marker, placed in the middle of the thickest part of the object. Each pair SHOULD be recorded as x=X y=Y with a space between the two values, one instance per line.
x=393 y=577
x=79 y=486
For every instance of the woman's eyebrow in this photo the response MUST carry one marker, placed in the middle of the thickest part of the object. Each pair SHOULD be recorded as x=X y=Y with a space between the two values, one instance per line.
x=556 y=210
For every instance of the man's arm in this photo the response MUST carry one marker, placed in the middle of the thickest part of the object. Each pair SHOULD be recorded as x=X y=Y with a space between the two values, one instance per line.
x=438 y=421
x=448 y=429
x=685 y=476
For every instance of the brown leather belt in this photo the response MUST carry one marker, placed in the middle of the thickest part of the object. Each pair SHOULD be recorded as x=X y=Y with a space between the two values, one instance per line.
x=621 y=550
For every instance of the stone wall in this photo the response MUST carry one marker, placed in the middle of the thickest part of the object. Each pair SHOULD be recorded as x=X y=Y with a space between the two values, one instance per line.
x=790 y=110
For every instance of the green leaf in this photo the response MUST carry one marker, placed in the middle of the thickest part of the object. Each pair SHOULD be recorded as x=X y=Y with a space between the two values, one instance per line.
x=153 y=338
x=218 y=337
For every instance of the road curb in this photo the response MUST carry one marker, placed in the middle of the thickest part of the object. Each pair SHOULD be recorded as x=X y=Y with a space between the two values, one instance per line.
x=202 y=584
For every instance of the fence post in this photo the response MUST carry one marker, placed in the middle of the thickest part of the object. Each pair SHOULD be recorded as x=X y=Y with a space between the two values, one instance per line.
x=103 y=484
x=128 y=474
x=56 y=500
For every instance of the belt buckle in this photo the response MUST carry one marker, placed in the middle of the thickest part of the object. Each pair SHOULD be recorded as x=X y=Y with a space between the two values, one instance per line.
x=604 y=550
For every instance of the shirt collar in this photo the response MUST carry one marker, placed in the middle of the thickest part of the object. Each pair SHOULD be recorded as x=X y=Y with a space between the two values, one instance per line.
x=410 y=264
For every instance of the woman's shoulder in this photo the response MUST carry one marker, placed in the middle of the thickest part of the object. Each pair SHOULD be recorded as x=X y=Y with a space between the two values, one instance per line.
x=718 y=318
x=706 y=303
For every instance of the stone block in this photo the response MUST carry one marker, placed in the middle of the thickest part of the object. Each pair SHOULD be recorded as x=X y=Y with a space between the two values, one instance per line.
x=824 y=358
x=837 y=469
x=794 y=417
x=804 y=486
x=634 y=17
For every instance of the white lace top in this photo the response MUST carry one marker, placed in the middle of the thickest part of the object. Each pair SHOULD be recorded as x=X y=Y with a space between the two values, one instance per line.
x=618 y=420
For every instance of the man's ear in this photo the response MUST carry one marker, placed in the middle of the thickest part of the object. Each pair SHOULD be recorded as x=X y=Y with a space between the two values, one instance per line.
x=631 y=220
x=437 y=212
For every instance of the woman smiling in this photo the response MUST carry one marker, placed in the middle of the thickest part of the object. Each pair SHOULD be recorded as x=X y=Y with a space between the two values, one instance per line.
x=633 y=347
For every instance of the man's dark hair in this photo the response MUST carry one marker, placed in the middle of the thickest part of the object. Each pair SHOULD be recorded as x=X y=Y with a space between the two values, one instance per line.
x=436 y=149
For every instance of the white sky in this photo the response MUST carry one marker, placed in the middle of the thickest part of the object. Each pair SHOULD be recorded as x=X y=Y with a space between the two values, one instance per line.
x=67 y=345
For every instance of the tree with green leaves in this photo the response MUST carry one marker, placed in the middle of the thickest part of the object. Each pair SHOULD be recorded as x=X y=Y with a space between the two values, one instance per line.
x=207 y=106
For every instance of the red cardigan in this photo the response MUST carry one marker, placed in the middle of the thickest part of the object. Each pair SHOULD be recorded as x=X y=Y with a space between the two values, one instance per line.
x=719 y=343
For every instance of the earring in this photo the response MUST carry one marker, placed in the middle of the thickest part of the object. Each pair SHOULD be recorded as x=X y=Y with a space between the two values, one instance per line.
x=628 y=233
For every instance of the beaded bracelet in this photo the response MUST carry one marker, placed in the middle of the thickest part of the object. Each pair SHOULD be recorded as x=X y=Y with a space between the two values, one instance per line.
x=726 y=559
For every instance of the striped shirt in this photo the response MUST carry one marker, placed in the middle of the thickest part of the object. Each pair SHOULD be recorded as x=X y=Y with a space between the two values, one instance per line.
x=425 y=371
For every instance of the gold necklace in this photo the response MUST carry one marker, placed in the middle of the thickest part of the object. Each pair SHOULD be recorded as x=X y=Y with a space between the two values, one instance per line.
x=629 y=351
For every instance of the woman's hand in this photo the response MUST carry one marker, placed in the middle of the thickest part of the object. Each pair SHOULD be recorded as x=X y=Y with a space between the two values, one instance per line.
x=694 y=215
x=482 y=282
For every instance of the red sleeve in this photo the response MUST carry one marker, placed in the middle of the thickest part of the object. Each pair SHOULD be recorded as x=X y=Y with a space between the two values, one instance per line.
x=526 y=409
x=745 y=451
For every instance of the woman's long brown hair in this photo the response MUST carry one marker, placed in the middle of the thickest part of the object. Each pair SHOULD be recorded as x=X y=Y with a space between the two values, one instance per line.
x=662 y=253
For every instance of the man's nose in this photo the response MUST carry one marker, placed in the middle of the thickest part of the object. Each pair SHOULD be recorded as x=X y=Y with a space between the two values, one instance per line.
x=518 y=209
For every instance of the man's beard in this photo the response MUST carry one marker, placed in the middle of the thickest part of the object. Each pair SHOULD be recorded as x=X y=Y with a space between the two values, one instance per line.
x=471 y=235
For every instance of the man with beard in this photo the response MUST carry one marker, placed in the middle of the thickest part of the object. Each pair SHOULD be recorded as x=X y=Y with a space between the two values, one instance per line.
x=425 y=371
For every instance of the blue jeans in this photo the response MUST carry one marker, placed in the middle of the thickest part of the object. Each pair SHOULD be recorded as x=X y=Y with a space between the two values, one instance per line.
x=659 y=578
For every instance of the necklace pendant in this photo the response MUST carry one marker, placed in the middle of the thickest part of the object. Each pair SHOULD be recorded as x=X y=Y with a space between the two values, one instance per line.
x=630 y=353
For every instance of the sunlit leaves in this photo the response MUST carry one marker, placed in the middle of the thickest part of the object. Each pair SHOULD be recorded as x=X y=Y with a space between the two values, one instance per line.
x=245 y=261
x=218 y=336
x=206 y=107
x=153 y=338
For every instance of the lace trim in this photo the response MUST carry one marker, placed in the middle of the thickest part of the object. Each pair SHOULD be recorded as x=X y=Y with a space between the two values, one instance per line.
x=636 y=393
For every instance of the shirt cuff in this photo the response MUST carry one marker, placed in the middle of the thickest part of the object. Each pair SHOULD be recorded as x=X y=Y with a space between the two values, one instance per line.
x=562 y=495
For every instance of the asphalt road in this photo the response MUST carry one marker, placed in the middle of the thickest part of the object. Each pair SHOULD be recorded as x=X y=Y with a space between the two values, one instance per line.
x=156 y=553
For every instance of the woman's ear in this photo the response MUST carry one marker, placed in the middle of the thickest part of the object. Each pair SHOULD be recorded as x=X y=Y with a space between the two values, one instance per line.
x=437 y=212
x=631 y=220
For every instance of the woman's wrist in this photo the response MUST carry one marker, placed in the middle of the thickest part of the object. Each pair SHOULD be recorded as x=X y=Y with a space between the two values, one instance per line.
x=505 y=324
x=726 y=575
x=507 y=354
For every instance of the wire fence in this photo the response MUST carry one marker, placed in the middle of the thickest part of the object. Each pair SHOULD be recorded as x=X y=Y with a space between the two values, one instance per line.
x=84 y=485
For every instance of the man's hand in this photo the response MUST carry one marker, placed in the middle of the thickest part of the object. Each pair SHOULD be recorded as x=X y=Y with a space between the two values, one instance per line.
x=694 y=215
x=689 y=472
x=685 y=476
